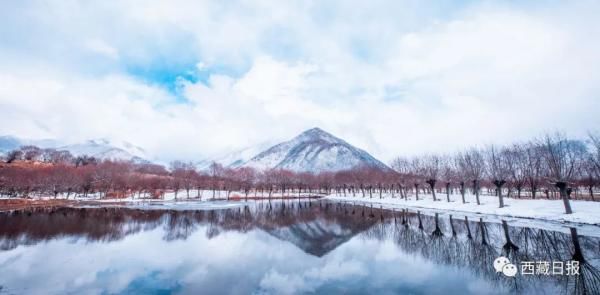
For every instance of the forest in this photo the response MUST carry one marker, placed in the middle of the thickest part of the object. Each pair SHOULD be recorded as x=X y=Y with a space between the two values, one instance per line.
x=552 y=166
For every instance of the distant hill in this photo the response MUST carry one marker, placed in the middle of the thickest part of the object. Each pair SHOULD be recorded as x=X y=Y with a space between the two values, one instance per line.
x=99 y=148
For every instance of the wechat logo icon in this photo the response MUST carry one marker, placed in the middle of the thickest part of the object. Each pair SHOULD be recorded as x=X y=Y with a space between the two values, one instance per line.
x=503 y=265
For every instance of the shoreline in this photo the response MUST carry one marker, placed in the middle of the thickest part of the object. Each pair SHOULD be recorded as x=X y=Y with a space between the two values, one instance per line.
x=584 y=212
x=12 y=204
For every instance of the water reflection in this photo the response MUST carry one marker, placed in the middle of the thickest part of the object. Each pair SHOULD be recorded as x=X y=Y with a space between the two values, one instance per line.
x=280 y=247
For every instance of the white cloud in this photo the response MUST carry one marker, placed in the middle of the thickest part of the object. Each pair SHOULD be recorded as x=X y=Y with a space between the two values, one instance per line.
x=101 y=47
x=393 y=78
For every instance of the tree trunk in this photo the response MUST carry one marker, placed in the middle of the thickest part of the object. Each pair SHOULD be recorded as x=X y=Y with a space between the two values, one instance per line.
x=476 y=188
x=509 y=246
x=498 y=184
x=448 y=192
x=562 y=186
x=483 y=235
x=469 y=235
x=577 y=253
x=452 y=226
x=462 y=191
x=416 y=191
x=431 y=183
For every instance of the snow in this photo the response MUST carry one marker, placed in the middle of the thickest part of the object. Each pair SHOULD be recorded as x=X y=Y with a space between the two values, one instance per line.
x=105 y=149
x=195 y=196
x=314 y=150
x=172 y=205
x=233 y=159
x=99 y=148
x=586 y=212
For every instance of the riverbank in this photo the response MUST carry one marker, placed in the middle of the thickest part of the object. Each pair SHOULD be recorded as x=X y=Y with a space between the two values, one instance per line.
x=9 y=204
x=585 y=212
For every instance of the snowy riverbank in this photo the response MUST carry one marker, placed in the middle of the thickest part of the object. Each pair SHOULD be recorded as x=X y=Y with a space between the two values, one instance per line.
x=196 y=200
x=551 y=210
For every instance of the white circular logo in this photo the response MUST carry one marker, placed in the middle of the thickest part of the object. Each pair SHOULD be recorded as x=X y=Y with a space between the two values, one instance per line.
x=509 y=270
x=500 y=262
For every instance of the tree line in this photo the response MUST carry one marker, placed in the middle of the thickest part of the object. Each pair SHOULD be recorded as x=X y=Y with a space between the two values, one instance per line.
x=552 y=166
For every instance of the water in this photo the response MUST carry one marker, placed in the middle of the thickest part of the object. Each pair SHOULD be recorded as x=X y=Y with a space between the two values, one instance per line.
x=292 y=247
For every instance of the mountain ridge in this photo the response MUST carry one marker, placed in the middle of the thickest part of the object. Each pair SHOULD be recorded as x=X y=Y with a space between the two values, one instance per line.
x=314 y=150
x=99 y=148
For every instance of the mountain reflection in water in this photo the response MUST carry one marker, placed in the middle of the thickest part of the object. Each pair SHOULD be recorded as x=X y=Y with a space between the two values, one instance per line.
x=280 y=247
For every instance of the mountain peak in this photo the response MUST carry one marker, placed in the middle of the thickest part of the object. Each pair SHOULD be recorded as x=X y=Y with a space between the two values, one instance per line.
x=314 y=150
x=315 y=131
x=317 y=134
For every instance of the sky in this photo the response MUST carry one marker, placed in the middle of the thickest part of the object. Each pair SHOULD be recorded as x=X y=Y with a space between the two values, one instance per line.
x=194 y=79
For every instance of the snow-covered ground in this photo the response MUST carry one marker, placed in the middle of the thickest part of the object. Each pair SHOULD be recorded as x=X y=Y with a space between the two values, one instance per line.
x=194 y=195
x=171 y=205
x=551 y=210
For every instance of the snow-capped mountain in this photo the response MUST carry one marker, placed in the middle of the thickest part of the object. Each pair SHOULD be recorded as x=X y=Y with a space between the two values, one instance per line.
x=98 y=148
x=106 y=149
x=233 y=159
x=317 y=237
x=313 y=151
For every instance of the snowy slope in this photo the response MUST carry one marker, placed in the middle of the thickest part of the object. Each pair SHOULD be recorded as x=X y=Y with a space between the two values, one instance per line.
x=98 y=148
x=313 y=151
x=106 y=149
x=233 y=159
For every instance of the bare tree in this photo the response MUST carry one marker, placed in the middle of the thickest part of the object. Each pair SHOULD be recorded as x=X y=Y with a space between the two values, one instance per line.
x=588 y=176
x=460 y=173
x=533 y=167
x=184 y=174
x=402 y=166
x=473 y=163
x=215 y=171
x=448 y=173
x=594 y=157
x=497 y=169
x=417 y=172
x=562 y=157
x=246 y=177
x=14 y=155
x=431 y=166
x=31 y=152
x=517 y=165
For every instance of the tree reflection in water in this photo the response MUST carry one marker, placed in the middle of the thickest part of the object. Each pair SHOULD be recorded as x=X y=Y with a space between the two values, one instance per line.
x=319 y=229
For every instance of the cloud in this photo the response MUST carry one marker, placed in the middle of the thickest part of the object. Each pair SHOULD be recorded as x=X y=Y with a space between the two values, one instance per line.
x=100 y=47
x=189 y=80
